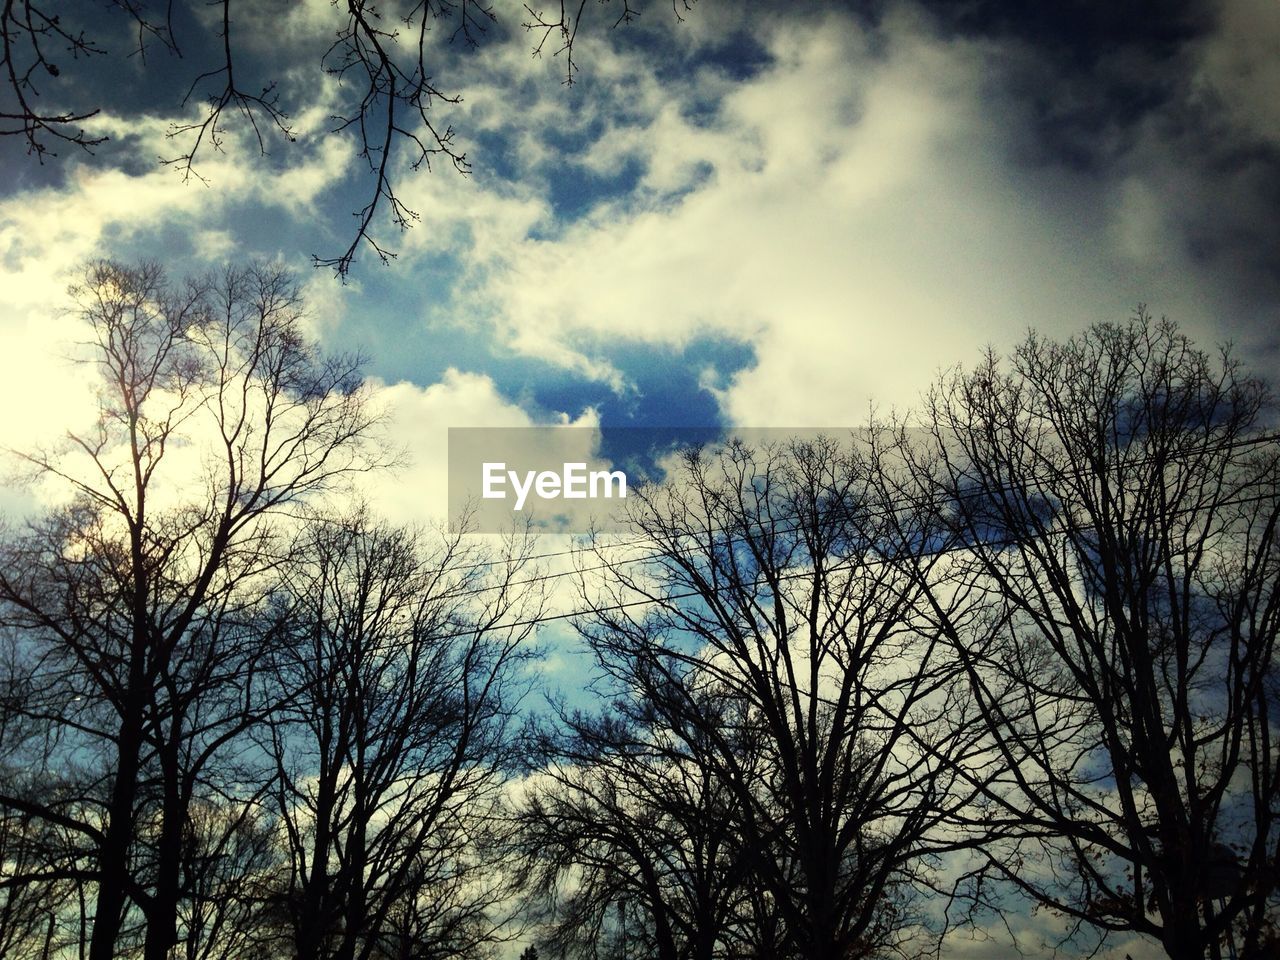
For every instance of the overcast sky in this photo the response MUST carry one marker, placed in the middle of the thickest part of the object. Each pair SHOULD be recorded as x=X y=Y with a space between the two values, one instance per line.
x=769 y=215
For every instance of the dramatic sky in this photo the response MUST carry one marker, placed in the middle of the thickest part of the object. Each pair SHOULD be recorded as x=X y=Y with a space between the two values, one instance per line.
x=767 y=215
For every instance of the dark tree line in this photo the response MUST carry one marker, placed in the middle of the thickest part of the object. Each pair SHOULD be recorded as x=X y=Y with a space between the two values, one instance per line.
x=857 y=691
x=1118 y=513
x=391 y=759
x=231 y=722
x=1026 y=639
x=787 y=666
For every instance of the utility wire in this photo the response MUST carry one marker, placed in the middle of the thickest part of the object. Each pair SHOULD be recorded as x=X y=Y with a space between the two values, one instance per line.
x=851 y=563
x=870 y=514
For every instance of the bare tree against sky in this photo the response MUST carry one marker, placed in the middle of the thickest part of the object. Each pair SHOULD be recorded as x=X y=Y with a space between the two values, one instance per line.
x=39 y=859
x=233 y=869
x=1112 y=507
x=136 y=600
x=625 y=812
x=392 y=758
x=768 y=588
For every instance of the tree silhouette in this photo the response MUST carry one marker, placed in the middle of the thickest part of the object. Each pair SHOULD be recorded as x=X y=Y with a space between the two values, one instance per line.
x=390 y=758
x=629 y=804
x=768 y=616
x=137 y=603
x=1111 y=505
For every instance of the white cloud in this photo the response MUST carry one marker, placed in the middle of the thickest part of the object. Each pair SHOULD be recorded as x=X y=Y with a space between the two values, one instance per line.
x=47 y=234
x=417 y=426
x=863 y=221
x=852 y=213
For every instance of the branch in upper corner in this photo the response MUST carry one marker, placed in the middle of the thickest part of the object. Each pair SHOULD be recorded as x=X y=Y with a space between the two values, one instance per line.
x=209 y=130
x=395 y=103
x=394 y=108
x=26 y=32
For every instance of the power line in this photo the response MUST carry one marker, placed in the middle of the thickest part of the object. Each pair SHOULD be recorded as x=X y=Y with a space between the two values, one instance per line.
x=851 y=563
x=869 y=514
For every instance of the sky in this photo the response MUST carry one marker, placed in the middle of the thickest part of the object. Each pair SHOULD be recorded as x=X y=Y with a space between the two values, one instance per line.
x=764 y=215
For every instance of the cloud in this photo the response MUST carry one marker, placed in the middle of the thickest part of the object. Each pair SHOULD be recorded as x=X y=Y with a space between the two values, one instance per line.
x=1239 y=66
x=856 y=211
x=861 y=212
x=417 y=424
x=48 y=233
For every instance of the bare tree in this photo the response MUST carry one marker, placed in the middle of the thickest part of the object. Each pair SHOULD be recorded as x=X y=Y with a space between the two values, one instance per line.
x=769 y=589
x=629 y=835
x=36 y=885
x=385 y=54
x=1111 y=504
x=139 y=599
x=233 y=871
x=392 y=762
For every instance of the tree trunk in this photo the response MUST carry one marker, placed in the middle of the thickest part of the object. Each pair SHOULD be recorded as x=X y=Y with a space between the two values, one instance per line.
x=162 y=917
x=113 y=855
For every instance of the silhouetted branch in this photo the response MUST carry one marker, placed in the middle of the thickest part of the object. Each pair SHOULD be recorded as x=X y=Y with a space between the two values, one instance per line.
x=394 y=116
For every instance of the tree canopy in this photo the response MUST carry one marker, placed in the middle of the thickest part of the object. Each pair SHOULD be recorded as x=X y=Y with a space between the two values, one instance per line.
x=849 y=691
